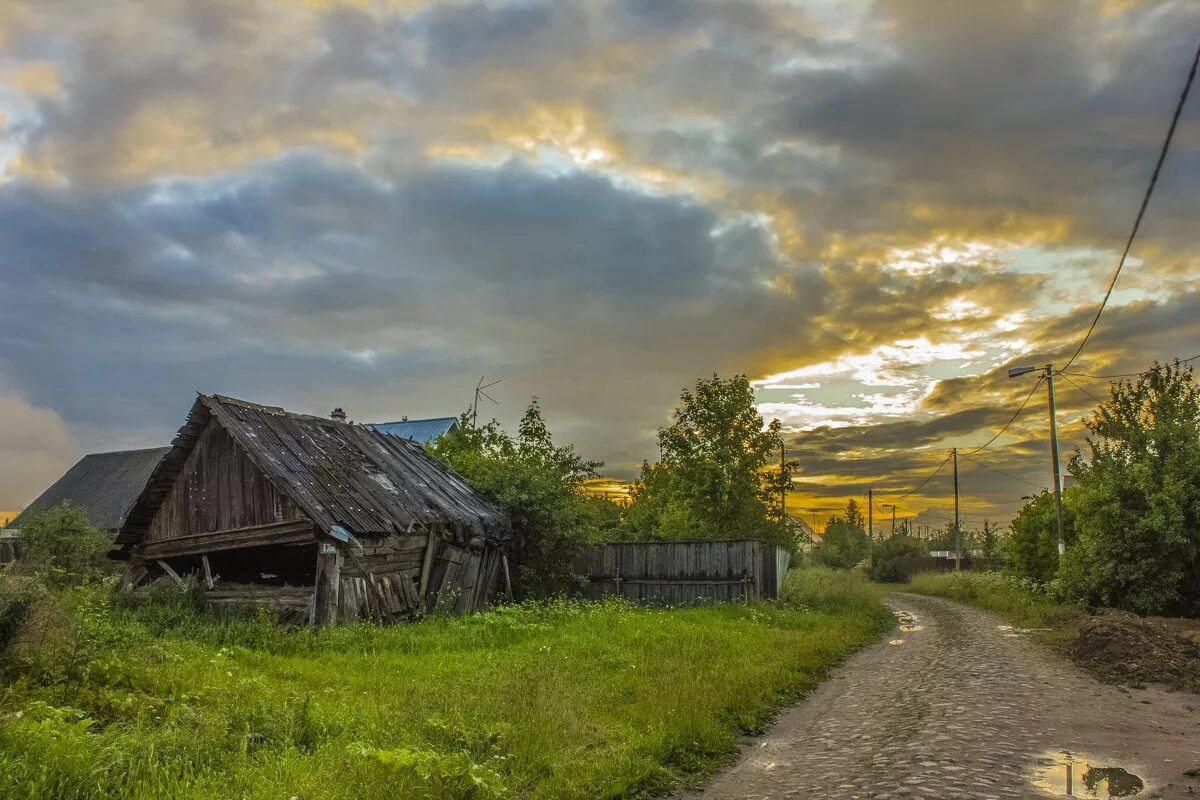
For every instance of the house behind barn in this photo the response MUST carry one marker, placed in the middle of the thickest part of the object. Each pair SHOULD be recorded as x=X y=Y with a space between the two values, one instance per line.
x=103 y=485
x=324 y=519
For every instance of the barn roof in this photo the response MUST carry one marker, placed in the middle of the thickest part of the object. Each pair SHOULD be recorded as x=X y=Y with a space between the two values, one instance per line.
x=421 y=431
x=338 y=473
x=105 y=485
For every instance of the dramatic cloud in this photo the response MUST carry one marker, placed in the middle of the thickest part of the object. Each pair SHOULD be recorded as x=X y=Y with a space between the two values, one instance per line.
x=871 y=209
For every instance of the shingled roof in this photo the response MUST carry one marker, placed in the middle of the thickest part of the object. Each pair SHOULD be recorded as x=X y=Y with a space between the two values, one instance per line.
x=338 y=473
x=105 y=485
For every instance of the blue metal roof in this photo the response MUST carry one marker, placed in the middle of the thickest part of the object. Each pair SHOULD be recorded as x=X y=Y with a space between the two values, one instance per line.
x=424 y=431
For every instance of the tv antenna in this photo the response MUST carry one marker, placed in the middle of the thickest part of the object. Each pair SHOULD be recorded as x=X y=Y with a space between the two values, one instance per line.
x=479 y=392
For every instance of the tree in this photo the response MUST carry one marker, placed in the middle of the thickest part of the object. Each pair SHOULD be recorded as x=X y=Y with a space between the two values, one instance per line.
x=989 y=538
x=844 y=543
x=62 y=545
x=1032 y=549
x=540 y=487
x=719 y=474
x=1136 y=499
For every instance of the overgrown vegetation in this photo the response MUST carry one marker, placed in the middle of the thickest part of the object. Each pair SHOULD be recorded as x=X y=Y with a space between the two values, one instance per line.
x=1025 y=602
x=719 y=474
x=540 y=487
x=61 y=547
x=844 y=544
x=1136 y=499
x=539 y=700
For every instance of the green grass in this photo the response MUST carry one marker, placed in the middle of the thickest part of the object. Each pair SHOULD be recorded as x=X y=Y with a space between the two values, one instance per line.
x=994 y=591
x=560 y=700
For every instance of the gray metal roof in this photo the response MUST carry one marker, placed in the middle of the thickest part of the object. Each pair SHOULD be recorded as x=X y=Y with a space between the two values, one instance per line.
x=338 y=473
x=422 y=431
x=105 y=485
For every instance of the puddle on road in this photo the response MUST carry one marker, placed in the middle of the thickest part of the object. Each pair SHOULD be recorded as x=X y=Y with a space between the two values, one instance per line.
x=908 y=621
x=896 y=641
x=1013 y=631
x=1065 y=774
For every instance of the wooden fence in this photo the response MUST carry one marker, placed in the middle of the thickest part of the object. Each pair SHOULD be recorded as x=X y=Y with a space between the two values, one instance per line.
x=687 y=572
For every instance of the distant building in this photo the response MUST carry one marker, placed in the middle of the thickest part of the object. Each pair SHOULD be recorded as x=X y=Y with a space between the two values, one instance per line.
x=104 y=485
x=421 y=431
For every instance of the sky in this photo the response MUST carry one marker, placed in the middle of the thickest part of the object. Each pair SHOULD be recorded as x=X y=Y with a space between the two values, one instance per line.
x=870 y=209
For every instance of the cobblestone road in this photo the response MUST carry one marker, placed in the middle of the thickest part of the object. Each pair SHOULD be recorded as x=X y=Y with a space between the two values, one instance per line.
x=960 y=707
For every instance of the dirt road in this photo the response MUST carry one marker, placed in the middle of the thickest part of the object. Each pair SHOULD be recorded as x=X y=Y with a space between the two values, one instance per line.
x=956 y=705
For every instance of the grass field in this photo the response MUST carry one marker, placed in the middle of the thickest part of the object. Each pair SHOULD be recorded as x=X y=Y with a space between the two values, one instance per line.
x=539 y=701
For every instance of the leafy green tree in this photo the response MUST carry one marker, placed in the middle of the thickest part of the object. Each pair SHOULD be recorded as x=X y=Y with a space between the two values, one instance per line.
x=885 y=552
x=844 y=543
x=1032 y=549
x=719 y=474
x=540 y=486
x=62 y=545
x=989 y=538
x=1136 y=499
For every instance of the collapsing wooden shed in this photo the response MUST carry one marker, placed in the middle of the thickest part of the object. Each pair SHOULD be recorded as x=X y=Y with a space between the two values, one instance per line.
x=323 y=519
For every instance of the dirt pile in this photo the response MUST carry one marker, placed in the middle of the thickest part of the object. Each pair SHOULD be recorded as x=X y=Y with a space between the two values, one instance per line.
x=1125 y=648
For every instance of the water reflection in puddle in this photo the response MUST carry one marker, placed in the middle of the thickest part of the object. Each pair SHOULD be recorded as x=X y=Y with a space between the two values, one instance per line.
x=908 y=621
x=1013 y=631
x=1066 y=774
x=896 y=641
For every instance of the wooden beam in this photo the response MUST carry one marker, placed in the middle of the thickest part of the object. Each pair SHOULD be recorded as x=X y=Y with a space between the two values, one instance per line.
x=427 y=565
x=383 y=603
x=275 y=533
x=208 y=579
x=166 y=568
x=507 y=578
x=329 y=579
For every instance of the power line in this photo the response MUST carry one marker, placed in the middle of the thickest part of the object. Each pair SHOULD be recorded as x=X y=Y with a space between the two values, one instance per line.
x=1080 y=388
x=1005 y=474
x=922 y=486
x=1024 y=403
x=1162 y=155
x=1124 y=374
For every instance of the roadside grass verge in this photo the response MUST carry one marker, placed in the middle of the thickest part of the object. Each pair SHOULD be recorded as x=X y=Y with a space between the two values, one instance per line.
x=553 y=700
x=1004 y=594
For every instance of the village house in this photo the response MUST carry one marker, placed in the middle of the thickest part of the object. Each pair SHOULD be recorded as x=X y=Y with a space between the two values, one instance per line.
x=103 y=485
x=324 y=519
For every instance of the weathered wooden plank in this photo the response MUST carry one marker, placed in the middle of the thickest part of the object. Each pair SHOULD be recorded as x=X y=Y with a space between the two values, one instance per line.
x=208 y=576
x=275 y=533
x=328 y=584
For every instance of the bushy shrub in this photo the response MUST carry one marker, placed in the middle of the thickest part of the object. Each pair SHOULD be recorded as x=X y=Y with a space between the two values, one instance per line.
x=830 y=590
x=62 y=546
x=885 y=552
x=539 y=486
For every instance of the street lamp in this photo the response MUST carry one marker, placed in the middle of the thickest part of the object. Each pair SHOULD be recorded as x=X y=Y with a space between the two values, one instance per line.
x=1016 y=372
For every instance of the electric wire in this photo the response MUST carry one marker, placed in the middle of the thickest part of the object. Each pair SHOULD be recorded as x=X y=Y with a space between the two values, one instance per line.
x=1162 y=155
x=1000 y=433
x=922 y=486
x=1085 y=391
x=1124 y=374
x=1002 y=472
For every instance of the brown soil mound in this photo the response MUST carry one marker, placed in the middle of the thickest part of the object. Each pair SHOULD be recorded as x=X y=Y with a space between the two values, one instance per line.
x=1124 y=647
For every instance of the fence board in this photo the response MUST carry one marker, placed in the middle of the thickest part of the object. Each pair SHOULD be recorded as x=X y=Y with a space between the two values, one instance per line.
x=685 y=572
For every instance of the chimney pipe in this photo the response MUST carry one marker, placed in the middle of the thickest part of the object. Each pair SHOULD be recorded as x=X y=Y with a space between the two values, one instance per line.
x=338 y=415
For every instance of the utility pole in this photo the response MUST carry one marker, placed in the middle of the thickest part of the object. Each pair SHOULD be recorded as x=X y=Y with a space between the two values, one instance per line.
x=893 y=520
x=957 y=529
x=871 y=526
x=1058 y=508
x=1048 y=373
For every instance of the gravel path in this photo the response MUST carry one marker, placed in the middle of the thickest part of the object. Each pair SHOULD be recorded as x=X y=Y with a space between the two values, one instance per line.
x=960 y=706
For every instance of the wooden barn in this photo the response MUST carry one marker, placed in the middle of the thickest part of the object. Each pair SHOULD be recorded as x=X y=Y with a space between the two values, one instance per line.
x=327 y=520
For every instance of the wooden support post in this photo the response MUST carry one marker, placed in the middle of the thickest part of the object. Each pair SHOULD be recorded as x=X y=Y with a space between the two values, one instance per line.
x=329 y=578
x=135 y=573
x=427 y=565
x=165 y=567
x=507 y=578
x=208 y=578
